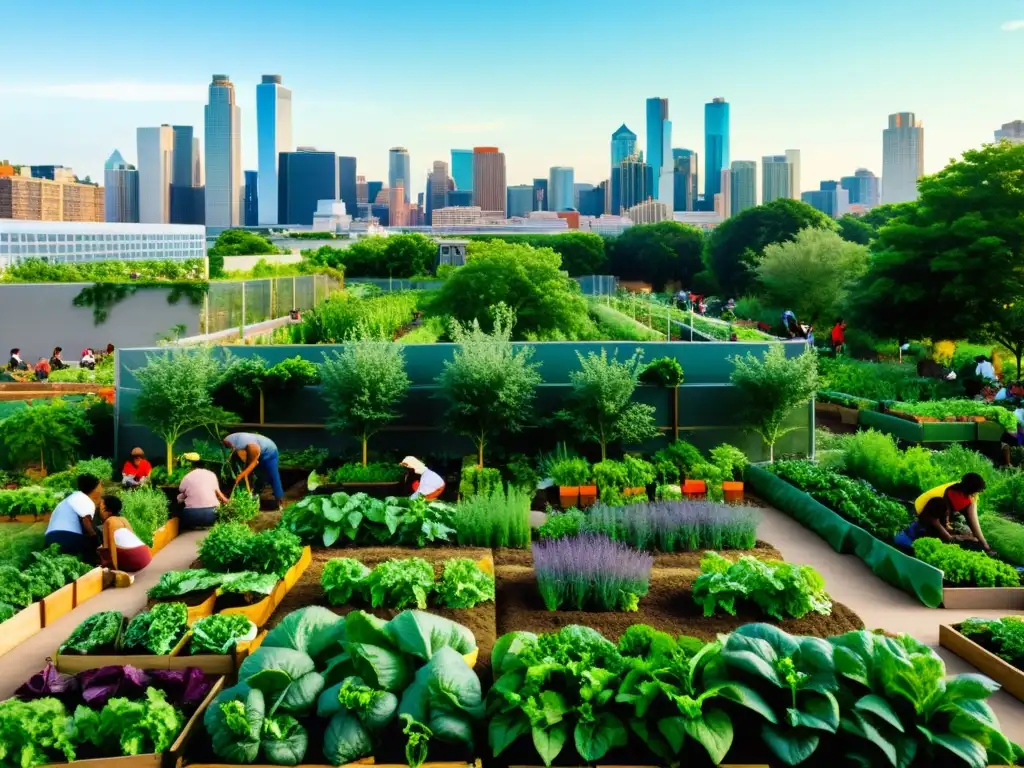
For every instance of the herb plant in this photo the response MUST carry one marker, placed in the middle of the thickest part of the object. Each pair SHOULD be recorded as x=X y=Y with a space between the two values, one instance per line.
x=590 y=572
x=146 y=509
x=497 y=519
x=671 y=526
x=226 y=547
x=374 y=472
x=242 y=507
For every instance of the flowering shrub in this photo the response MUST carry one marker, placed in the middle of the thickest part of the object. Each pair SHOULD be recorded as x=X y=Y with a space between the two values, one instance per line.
x=591 y=572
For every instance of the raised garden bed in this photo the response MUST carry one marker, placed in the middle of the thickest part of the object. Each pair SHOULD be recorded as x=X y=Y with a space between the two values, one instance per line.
x=259 y=613
x=72 y=663
x=920 y=432
x=1008 y=676
x=31 y=620
x=165 y=534
x=225 y=664
x=983 y=598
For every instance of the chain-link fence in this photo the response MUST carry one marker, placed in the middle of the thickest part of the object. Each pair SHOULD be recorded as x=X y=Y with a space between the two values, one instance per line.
x=231 y=304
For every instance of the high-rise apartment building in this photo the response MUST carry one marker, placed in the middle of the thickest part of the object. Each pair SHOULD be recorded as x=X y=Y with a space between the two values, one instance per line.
x=251 y=199
x=623 y=144
x=399 y=170
x=561 y=191
x=347 y=186
x=462 y=169
x=863 y=188
x=439 y=183
x=793 y=158
x=121 y=190
x=716 y=145
x=667 y=185
x=186 y=194
x=224 y=180
x=520 y=200
x=723 y=199
x=1011 y=132
x=273 y=136
x=657 y=116
x=304 y=177
x=776 y=178
x=398 y=208
x=685 y=176
x=540 y=194
x=743 y=185
x=591 y=201
x=902 y=158
x=632 y=183
x=832 y=199
x=489 y=179
x=29 y=199
x=156 y=170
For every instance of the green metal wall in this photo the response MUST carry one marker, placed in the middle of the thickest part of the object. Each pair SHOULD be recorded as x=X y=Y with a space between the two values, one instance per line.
x=708 y=403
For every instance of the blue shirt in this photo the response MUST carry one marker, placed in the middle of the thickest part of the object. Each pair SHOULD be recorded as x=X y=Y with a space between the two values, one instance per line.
x=68 y=514
x=239 y=441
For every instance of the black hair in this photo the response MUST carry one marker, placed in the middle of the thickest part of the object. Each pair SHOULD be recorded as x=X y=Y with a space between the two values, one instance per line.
x=971 y=483
x=57 y=351
x=980 y=359
x=200 y=464
x=15 y=351
x=113 y=505
x=839 y=321
x=88 y=483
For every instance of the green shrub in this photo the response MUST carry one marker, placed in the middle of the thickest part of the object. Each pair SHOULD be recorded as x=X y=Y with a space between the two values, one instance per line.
x=1004 y=536
x=478 y=480
x=241 y=508
x=778 y=589
x=570 y=471
x=665 y=372
x=500 y=518
x=560 y=525
x=963 y=567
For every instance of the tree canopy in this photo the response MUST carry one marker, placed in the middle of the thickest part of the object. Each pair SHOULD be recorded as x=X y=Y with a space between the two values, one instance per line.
x=736 y=243
x=401 y=255
x=950 y=265
x=237 y=242
x=811 y=274
x=547 y=303
x=666 y=252
x=583 y=253
x=854 y=229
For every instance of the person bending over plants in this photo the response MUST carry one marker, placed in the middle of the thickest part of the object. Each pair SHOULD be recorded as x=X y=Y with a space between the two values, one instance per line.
x=936 y=507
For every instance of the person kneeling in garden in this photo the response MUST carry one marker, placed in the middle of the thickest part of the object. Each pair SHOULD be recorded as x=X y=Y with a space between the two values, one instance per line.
x=201 y=494
x=122 y=550
x=429 y=486
x=71 y=525
x=935 y=508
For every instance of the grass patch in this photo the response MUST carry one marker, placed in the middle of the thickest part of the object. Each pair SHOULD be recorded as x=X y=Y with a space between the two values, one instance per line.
x=19 y=540
x=498 y=519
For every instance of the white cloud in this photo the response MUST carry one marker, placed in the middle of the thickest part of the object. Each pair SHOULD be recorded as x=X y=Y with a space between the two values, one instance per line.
x=127 y=91
x=1013 y=25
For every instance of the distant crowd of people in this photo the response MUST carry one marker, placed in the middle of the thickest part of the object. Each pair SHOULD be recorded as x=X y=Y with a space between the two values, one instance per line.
x=44 y=367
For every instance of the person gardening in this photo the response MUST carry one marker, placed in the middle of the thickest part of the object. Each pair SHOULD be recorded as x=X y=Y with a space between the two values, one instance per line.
x=122 y=550
x=429 y=486
x=72 y=526
x=136 y=470
x=936 y=507
x=200 y=492
x=839 y=336
x=256 y=450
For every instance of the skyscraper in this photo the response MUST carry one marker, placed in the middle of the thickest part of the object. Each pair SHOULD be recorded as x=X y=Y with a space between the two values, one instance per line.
x=273 y=136
x=666 y=186
x=591 y=201
x=623 y=144
x=250 y=208
x=831 y=199
x=540 y=194
x=1011 y=132
x=439 y=183
x=776 y=176
x=685 y=176
x=156 y=168
x=399 y=170
x=657 y=114
x=902 y=158
x=223 y=155
x=863 y=188
x=347 y=184
x=120 y=190
x=185 y=195
x=716 y=145
x=462 y=169
x=520 y=200
x=560 y=189
x=489 y=179
x=743 y=183
x=793 y=158
x=635 y=182
x=305 y=177
x=723 y=199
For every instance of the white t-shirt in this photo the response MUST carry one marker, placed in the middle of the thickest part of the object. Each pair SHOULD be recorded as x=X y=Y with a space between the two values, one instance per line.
x=69 y=513
x=125 y=539
x=985 y=370
x=430 y=481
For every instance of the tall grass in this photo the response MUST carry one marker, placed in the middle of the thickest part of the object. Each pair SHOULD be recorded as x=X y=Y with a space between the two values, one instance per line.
x=498 y=519
x=332 y=321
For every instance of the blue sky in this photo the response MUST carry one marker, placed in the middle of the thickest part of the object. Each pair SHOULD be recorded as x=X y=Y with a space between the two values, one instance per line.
x=546 y=82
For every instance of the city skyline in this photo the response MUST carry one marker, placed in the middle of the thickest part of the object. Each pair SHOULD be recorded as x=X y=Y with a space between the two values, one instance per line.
x=835 y=121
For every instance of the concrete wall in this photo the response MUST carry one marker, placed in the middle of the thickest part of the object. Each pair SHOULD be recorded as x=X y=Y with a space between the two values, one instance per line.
x=245 y=263
x=39 y=317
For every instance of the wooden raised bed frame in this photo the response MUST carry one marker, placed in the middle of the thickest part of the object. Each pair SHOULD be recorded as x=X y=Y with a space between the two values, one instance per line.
x=1004 y=673
x=983 y=598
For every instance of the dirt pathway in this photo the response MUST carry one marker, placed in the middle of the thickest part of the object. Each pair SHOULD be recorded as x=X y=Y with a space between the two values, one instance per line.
x=881 y=606
x=28 y=658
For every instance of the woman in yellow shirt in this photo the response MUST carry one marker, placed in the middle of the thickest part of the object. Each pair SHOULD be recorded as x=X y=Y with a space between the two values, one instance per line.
x=935 y=507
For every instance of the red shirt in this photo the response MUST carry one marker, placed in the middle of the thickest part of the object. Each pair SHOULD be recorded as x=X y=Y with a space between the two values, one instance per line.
x=138 y=472
x=958 y=501
x=838 y=334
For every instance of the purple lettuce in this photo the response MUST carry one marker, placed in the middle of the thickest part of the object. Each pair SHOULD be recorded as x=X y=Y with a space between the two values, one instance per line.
x=591 y=572
x=185 y=688
x=101 y=685
x=676 y=526
x=49 y=682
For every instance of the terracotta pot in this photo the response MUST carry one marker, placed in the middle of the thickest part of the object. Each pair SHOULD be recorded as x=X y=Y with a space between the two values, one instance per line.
x=568 y=496
x=694 y=488
x=732 y=491
x=588 y=495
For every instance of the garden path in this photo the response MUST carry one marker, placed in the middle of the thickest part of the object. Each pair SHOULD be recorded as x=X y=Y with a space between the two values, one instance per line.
x=28 y=658
x=880 y=605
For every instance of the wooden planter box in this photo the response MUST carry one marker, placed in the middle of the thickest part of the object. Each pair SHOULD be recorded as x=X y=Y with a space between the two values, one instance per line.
x=201 y=611
x=165 y=534
x=260 y=613
x=226 y=664
x=1004 y=673
x=825 y=409
x=88 y=586
x=20 y=627
x=694 y=489
x=58 y=604
x=979 y=598
x=296 y=571
x=72 y=664
x=171 y=757
x=849 y=416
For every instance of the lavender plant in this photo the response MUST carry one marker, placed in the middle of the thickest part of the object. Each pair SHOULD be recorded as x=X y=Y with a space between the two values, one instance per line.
x=675 y=526
x=591 y=572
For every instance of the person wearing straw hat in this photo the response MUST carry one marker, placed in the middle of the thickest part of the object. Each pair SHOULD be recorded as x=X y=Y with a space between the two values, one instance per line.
x=200 y=492
x=429 y=486
x=136 y=470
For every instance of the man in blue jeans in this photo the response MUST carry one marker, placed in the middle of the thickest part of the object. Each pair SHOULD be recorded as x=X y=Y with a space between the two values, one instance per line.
x=255 y=450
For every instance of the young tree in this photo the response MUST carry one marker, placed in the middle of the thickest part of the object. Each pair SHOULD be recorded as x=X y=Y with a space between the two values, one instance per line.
x=176 y=395
x=812 y=273
x=771 y=387
x=362 y=385
x=600 y=407
x=488 y=386
x=47 y=432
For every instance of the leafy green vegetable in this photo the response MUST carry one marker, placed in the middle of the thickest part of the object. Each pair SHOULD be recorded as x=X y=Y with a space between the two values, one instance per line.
x=234 y=722
x=220 y=633
x=226 y=547
x=346 y=740
x=157 y=630
x=417 y=741
x=274 y=550
x=248 y=581
x=34 y=733
x=445 y=696
x=285 y=676
x=422 y=634
x=961 y=566
x=101 y=630
x=400 y=583
x=343 y=579
x=178 y=583
x=779 y=589
x=6 y=612
x=242 y=507
x=284 y=740
x=130 y=727
x=464 y=584
x=314 y=630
